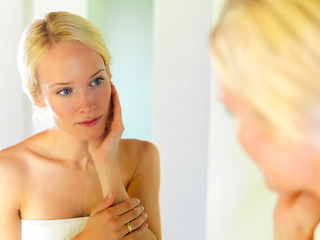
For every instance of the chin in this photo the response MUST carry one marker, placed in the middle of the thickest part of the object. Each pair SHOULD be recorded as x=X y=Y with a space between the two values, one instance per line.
x=91 y=135
x=272 y=184
x=280 y=186
x=272 y=187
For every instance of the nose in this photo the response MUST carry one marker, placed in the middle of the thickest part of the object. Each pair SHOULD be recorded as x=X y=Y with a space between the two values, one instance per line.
x=85 y=102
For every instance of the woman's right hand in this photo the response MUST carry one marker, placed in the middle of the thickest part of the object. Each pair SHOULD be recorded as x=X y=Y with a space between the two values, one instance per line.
x=107 y=222
x=296 y=216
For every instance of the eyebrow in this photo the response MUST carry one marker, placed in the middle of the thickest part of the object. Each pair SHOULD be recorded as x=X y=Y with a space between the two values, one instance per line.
x=67 y=83
x=99 y=71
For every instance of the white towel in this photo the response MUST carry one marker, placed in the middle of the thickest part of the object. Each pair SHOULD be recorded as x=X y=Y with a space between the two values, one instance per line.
x=62 y=229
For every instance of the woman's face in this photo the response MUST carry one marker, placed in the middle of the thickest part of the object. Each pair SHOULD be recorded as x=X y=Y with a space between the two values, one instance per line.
x=286 y=169
x=76 y=90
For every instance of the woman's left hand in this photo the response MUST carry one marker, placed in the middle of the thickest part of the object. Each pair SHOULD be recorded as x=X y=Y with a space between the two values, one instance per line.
x=103 y=151
x=103 y=148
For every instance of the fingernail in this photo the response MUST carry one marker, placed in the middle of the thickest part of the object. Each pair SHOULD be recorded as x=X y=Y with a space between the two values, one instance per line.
x=145 y=225
x=145 y=214
x=138 y=201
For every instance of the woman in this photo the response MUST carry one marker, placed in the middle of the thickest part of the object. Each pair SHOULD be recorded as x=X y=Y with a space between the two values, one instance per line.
x=266 y=57
x=77 y=179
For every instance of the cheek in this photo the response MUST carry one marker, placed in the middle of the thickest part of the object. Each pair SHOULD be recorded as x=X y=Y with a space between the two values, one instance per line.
x=271 y=159
x=60 y=110
x=251 y=139
x=103 y=99
x=245 y=136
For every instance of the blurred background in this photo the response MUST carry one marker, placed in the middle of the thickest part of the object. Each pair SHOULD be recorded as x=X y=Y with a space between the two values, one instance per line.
x=161 y=67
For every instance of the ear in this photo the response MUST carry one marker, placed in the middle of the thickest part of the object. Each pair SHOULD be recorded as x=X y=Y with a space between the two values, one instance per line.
x=39 y=101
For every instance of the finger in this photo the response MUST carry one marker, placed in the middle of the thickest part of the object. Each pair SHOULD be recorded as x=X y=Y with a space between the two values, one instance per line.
x=106 y=203
x=137 y=233
x=125 y=206
x=117 y=112
x=114 y=124
x=285 y=201
x=307 y=204
x=132 y=214
x=135 y=223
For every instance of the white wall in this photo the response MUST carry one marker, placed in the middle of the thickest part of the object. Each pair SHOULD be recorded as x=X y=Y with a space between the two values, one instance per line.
x=180 y=111
x=127 y=26
x=40 y=7
x=14 y=114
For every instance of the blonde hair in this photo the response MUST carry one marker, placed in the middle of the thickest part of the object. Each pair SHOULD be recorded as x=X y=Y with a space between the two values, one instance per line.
x=56 y=27
x=267 y=53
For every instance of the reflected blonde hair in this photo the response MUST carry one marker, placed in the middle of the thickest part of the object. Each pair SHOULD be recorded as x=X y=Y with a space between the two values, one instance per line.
x=42 y=34
x=267 y=53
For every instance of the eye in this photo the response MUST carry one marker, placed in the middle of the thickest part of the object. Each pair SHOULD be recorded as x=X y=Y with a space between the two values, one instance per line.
x=97 y=81
x=65 y=91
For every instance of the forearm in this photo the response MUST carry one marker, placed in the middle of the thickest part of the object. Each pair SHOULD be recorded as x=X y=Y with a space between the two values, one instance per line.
x=110 y=180
x=148 y=235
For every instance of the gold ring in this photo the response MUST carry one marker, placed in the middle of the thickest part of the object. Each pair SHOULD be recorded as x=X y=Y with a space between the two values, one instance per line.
x=129 y=227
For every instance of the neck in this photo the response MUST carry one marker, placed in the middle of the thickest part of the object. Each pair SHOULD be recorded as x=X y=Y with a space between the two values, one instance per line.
x=68 y=148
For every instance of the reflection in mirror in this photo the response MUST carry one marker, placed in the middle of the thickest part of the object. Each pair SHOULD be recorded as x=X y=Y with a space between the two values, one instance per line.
x=262 y=58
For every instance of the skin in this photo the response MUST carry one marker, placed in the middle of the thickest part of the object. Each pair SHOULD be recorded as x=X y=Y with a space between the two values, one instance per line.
x=291 y=170
x=72 y=171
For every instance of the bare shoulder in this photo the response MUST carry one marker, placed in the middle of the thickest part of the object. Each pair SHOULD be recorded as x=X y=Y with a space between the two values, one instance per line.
x=139 y=157
x=13 y=169
x=11 y=164
x=11 y=179
x=15 y=161
x=9 y=160
x=138 y=150
x=15 y=166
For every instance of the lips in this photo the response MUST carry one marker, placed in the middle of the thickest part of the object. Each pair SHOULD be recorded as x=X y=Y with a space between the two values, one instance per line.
x=90 y=123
